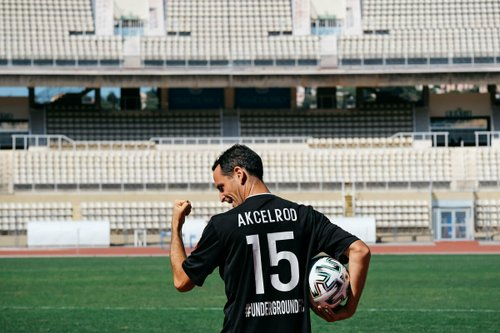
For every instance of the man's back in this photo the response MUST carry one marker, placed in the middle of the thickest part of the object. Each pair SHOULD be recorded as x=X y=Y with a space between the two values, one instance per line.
x=262 y=248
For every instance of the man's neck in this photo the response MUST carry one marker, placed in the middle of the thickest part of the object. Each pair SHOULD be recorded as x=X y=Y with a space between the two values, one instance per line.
x=257 y=187
x=257 y=194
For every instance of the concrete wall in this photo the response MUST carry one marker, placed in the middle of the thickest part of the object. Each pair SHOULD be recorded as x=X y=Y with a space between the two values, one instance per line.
x=478 y=103
x=14 y=107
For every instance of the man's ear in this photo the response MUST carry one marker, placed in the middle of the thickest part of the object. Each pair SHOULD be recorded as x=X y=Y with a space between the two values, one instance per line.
x=241 y=174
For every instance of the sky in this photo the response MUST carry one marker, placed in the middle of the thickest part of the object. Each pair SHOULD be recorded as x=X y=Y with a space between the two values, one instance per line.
x=44 y=94
x=13 y=91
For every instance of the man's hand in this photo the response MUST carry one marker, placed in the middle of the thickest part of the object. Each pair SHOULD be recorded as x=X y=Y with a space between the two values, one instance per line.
x=321 y=311
x=340 y=312
x=181 y=209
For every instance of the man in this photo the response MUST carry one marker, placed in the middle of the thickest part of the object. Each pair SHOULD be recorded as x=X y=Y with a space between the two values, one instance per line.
x=263 y=247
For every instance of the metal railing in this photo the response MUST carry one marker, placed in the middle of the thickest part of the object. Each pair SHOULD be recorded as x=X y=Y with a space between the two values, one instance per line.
x=382 y=60
x=229 y=140
x=203 y=62
x=60 y=142
x=25 y=141
x=488 y=137
x=436 y=138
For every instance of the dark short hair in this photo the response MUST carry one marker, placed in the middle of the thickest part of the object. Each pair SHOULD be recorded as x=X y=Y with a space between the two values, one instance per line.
x=242 y=156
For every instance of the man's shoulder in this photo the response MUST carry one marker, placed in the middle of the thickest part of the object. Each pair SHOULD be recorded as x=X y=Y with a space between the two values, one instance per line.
x=268 y=197
x=255 y=203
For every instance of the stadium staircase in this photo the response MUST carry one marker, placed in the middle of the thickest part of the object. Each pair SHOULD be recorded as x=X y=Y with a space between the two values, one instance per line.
x=463 y=168
x=5 y=172
x=349 y=211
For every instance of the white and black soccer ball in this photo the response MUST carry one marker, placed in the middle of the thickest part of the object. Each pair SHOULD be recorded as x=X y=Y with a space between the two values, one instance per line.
x=328 y=282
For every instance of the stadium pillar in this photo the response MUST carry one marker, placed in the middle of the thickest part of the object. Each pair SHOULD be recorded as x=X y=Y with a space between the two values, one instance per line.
x=229 y=98
x=293 y=98
x=97 y=97
x=425 y=96
x=492 y=89
x=31 y=97
x=163 y=97
x=130 y=99
x=359 y=96
x=326 y=97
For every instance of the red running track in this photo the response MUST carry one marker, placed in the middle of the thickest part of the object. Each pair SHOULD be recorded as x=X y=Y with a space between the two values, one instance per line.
x=461 y=247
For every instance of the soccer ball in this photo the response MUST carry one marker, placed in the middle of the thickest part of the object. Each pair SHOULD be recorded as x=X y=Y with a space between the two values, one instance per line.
x=328 y=282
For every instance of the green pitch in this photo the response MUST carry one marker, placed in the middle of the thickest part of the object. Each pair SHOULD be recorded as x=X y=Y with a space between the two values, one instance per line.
x=448 y=293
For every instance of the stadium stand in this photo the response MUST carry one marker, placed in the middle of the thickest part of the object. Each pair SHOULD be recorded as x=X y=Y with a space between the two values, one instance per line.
x=487 y=214
x=488 y=162
x=351 y=168
x=31 y=38
x=382 y=122
x=397 y=215
x=186 y=168
x=210 y=32
x=123 y=215
x=424 y=32
x=143 y=215
x=255 y=33
x=364 y=122
x=13 y=216
x=95 y=125
x=241 y=32
x=371 y=155
x=401 y=217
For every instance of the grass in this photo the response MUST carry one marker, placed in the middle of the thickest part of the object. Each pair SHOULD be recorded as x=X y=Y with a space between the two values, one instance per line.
x=420 y=293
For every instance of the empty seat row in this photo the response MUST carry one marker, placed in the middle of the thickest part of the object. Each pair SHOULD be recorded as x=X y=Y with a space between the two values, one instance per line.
x=488 y=164
x=444 y=31
x=213 y=48
x=121 y=215
x=396 y=213
x=404 y=14
x=145 y=215
x=369 y=161
x=156 y=215
x=360 y=142
x=423 y=43
x=93 y=125
x=193 y=167
x=14 y=216
x=330 y=208
x=326 y=123
x=488 y=214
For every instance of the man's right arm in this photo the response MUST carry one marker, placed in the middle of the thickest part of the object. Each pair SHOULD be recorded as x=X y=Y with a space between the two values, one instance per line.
x=177 y=251
x=359 y=260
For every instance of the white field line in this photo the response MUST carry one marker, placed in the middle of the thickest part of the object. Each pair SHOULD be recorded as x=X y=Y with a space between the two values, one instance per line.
x=120 y=308
x=109 y=308
x=433 y=310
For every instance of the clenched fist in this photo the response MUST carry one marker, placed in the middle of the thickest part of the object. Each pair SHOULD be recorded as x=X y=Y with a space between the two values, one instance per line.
x=181 y=209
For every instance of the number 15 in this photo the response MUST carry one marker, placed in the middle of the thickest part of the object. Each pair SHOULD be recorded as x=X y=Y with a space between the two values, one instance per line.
x=275 y=258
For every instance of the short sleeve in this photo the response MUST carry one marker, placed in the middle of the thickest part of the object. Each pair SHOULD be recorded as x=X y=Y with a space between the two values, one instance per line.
x=330 y=238
x=205 y=257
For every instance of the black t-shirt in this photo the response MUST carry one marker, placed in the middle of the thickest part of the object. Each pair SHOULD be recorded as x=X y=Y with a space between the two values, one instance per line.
x=262 y=249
